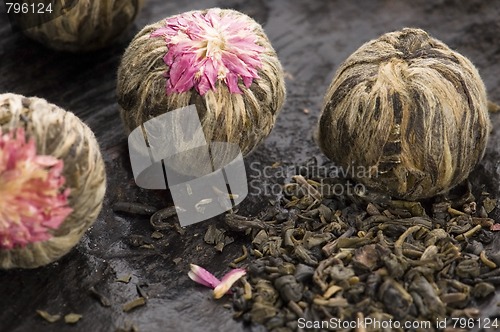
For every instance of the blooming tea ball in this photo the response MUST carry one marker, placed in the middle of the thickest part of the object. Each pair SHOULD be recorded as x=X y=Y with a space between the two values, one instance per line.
x=406 y=115
x=52 y=181
x=219 y=60
x=85 y=25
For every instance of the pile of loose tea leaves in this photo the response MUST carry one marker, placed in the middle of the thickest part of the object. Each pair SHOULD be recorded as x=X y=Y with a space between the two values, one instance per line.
x=316 y=256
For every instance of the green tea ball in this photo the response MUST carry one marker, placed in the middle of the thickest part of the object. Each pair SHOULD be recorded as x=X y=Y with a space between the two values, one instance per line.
x=52 y=181
x=87 y=25
x=406 y=115
x=218 y=60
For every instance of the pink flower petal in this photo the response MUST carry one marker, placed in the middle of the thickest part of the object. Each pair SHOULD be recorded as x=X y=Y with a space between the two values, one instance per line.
x=227 y=281
x=180 y=66
x=161 y=32
x=203 y=85
x=235 y=64
x=46 y=161
x=232 y=82
x=31 y=189
x=181 y=73
x=202 y=276
x=495 y=227
x=211 y=72
x=247 y=81
x=204 y=47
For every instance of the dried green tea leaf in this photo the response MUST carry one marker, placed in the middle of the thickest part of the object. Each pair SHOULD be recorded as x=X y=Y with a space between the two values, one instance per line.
x=217 y=236
x=156 y=235
x=48 y=317
x=489 y=204
x=141 y=291
x=72 y=318
x=415 y=208
x=136 y=240
x=213 y=235
x=124 y=278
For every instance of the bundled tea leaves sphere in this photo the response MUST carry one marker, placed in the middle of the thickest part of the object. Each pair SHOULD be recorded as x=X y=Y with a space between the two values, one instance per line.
x=405 y=114
x=52 y=181
x=218 y=60
x=82 y=25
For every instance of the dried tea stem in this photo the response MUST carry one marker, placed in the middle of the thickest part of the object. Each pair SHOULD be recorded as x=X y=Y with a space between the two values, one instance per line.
x=72 y=318
x=486 y=261
x=310 y=190
x=157 y=218
x=140 y=301
x=48 y=317
x=469 y=233
x=399 y=243
x=134 y=208
x=242 y=257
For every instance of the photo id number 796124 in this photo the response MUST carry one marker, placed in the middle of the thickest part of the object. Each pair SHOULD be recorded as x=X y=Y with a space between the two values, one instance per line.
x=28 y=8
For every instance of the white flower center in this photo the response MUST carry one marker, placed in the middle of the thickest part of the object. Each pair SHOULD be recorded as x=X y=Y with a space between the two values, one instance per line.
x=212 y=46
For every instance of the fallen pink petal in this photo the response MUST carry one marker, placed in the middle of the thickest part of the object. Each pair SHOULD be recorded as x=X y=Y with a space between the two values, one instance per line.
x=220 y=287
x=227 y=281
x=206 y=48
x=203 y=277
x=495 y=227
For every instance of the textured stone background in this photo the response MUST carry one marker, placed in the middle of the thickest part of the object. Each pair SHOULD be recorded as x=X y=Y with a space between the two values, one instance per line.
x=312 y=37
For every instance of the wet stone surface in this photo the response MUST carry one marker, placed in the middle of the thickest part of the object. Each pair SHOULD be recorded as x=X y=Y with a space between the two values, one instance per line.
x=312 y=38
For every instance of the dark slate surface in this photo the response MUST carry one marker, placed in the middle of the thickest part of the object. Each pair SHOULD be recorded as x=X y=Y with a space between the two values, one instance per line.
x=312 y=38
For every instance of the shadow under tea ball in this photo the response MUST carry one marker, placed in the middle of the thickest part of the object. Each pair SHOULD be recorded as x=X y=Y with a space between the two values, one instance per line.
x=219 y=60
x=408 y=112
x=52 y=181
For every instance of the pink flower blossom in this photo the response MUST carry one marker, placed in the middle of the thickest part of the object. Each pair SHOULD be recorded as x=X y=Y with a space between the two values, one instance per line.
x=202 y=276
x=206 y=47
x=31 y=199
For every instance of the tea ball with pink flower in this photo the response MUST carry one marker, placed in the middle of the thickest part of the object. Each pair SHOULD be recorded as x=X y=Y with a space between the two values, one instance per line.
x=218 y=60
x=52 y=181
